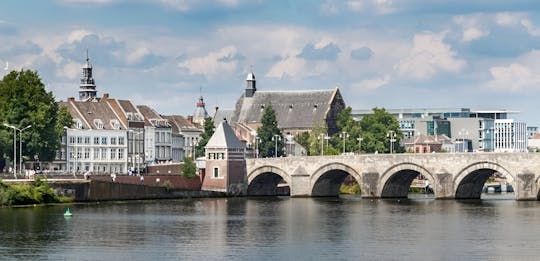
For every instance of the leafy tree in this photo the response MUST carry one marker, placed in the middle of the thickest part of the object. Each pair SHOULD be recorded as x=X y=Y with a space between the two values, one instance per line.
x=205 y=137
x=350 y=129
x=375 y=128
x=303 y=140
x=189 y=169
x=267 y=132
x=24 y=101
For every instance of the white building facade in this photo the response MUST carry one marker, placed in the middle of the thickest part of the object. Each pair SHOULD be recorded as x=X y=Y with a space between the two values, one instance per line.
x=510 y=136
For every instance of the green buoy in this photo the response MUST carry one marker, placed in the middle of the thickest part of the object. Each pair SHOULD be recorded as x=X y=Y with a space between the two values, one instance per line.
x=67 y=213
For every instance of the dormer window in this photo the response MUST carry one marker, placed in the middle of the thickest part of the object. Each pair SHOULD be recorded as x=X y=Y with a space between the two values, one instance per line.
x=78 y=124
x=98 y=123
x=115 y=124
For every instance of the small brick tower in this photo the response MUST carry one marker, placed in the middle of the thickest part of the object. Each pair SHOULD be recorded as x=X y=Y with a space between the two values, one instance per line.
x=225 y=163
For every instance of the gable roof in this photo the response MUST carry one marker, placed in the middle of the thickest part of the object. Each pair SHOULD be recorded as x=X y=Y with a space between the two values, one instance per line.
x=90 y=112
x=294 y=109
x=224 y=137
x=178 y=123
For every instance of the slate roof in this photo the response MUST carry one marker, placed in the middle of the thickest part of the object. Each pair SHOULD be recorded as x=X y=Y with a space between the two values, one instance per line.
x=178 y=123
x=224 y=137
x=220 y=115
x=150 y=116
x=89 y=111
x=294 y=109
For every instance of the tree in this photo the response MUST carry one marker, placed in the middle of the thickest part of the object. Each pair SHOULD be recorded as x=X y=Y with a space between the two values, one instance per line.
x=375 y=129
x=268 y=133
x=24 y=101
x=189 y=169
x=205 y=137
x=348 y=128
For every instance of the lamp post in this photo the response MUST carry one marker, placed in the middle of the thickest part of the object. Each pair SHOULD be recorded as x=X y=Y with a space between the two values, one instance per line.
x=14 y=148
x=257 y=142
x=321 y=138
x=392 y=136
x=344 y=135
x=275 y=138
x=20 y=146
x=359 y=139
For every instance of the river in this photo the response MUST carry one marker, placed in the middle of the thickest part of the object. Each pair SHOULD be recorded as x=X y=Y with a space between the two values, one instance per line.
x=281 y=228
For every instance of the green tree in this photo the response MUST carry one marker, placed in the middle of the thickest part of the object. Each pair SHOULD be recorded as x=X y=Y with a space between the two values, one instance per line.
x=267 y=133
x=375 y=129
x=189 y=169
x=349 y=130
x=24 y=101
x=205 y=137
x=303 y=140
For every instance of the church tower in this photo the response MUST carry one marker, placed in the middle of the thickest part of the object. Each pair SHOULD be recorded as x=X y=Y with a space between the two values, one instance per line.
x=200 y=113
x=87 y=89
x=251 y=85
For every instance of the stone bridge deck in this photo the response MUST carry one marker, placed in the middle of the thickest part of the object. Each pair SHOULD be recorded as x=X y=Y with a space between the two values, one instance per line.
x=452 y=175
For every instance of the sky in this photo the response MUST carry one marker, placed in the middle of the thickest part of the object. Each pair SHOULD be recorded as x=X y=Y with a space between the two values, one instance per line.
x=482 y=54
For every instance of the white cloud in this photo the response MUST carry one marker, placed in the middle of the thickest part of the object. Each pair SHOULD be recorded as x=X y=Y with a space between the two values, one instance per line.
x=137 y=55
x=472 y=33
x=428 y=56
x=534 y=31
x=290 y=66
x=524 y=73
x=377 y=6
x=507 y=18
x=213 y=63
x=372 y=84
x=471 y=27
x=77 y=35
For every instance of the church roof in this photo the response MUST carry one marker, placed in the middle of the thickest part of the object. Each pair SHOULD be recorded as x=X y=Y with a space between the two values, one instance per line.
x=294 y=109
x=224 y=137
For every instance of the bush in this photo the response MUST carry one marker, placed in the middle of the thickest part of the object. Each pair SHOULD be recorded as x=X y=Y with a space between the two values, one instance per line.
x=23 y=194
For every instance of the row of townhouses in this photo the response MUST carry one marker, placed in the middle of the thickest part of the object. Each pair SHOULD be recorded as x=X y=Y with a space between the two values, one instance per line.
x=111 y=135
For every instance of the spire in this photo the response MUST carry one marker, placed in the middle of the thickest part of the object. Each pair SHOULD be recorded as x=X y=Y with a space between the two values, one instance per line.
x=200 y=111
x=87 y=88
x=251 y=84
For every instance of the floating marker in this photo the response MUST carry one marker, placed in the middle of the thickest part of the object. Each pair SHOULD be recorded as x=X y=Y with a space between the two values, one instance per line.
x=67 y=213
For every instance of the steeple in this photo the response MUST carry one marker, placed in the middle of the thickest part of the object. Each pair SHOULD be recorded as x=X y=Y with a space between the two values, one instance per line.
x=87 y=89
x=200 y=112
x=251 y=84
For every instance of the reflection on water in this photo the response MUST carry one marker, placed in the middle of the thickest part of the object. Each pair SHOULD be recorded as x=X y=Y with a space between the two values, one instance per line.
x=279 y=228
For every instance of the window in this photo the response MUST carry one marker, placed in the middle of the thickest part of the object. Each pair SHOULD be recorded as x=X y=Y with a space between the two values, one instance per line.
x=98 y=123
x=71 y=140
x=79 y=124
x=96 y=140
x=113 y=154
x=120 y=140
x=120 y=154
x=96 y=153
x=216 y=172
x=86 y=140
x=79 y=140
x=104 y=154
x=113 y=140
x=104 y=140
x=86 y=153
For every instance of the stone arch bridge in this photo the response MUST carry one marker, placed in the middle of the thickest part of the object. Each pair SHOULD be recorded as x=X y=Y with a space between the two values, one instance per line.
x=451 y=175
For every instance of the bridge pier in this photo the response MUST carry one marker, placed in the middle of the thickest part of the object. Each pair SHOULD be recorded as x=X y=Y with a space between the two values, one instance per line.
x=369 y=185
x=444 y=186
x=526 y=187
x=300 y=185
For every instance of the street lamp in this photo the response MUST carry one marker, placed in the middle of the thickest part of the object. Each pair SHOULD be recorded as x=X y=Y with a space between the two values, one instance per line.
x=257 y=142
x=321 y=138
x=14 y=148
x=359 y=139
x=20 y=146
x=392 y=136
x=344 y=135
x=275 y=138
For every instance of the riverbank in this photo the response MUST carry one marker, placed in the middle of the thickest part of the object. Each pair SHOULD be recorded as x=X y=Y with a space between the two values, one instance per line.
x=29 y=193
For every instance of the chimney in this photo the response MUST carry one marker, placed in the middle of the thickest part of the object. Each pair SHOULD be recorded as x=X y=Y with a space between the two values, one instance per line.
x=190 y=119
x=71 y=99
x=105 y=96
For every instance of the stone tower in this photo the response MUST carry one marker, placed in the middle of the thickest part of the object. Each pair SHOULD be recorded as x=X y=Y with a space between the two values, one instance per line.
x=225 y=163
x=251 y=85
x=87 y=89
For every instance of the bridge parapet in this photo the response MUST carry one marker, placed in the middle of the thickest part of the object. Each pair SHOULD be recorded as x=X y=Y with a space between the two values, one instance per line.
x=380 y=175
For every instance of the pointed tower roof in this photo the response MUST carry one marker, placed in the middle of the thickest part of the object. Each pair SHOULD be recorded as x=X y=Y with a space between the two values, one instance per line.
x=224 y=137
x=200 y=111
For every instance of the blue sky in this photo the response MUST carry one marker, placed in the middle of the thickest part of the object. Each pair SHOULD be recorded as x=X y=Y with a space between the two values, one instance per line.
x=481 y=54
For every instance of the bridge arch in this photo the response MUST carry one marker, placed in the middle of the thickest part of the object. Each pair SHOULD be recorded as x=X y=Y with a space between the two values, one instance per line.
x=326 y=180
x=264 y=180
x=469 y=182
x=397 y=179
